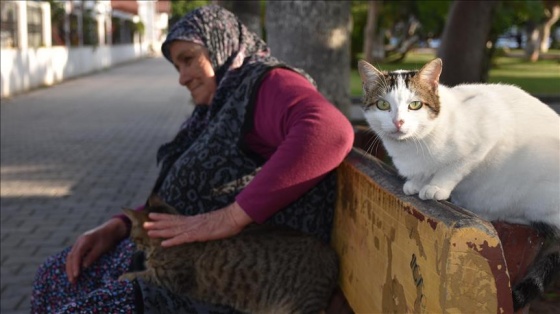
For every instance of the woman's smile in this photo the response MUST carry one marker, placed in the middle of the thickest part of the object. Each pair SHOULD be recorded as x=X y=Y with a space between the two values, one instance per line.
x=195 y=70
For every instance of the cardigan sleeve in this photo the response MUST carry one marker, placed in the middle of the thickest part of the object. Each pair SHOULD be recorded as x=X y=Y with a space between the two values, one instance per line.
x=302 y=136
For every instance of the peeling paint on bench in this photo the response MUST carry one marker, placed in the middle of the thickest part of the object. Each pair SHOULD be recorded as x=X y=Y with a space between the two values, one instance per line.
x=401 y=254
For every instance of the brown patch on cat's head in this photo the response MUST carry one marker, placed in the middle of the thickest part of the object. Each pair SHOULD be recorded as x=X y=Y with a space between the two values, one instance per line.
x=154 y=200
x=137 y=217
x=137 y=232
x=373 y=83
x=156 y=205
x=425 y=83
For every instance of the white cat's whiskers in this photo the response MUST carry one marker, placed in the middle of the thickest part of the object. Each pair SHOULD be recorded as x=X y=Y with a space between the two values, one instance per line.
x=373 y=142
x=414 y=140
x=374 y=145
x=418 y=143
x=423 y=142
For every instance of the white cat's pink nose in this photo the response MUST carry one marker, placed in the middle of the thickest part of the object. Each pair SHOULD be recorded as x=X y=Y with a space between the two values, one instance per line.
x=398 y=123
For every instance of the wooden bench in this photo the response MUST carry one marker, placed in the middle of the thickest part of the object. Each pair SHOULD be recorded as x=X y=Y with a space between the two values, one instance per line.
x=399 y=254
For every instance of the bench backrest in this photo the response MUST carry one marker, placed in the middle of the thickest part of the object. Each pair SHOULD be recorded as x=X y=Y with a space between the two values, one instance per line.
x=401 y=254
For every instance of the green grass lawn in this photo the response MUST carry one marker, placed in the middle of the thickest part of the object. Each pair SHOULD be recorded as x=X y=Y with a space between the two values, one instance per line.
x=539 y=78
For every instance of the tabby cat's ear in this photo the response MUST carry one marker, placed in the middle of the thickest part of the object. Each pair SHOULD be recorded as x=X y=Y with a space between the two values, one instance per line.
x=369 y=75
x=155 y=200
x=430 y=73
x=131 y=214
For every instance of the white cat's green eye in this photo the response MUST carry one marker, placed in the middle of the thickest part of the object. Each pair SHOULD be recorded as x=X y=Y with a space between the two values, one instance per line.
x=415 y=105
x=382 y=104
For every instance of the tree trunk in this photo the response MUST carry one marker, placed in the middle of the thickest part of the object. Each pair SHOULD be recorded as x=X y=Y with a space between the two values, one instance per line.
x=463 y=43
x=532 y=46
x=553 y=14
x=248 y=12
x=379 y=52
x=314 y=36
x=370 y=31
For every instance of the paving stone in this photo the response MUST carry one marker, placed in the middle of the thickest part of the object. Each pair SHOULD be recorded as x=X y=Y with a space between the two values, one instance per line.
x=17 y=262
x=73 y=155
x=10 y=304
x=16 y=291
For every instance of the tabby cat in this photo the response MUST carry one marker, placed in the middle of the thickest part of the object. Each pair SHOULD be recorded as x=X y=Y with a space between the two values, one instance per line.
x=264 y=269
x=490 y=148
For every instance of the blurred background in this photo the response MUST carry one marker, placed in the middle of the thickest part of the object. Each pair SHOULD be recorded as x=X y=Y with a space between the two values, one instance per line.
x=98 y=135
x=517 y=42
x=47 y=42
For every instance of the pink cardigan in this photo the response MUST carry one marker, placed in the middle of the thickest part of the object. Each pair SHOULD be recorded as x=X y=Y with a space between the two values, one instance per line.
x=292 y=122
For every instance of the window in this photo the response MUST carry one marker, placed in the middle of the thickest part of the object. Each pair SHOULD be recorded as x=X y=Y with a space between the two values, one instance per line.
x=90 y=24
x=8 y=29
x=34 y=25
x=122 y=30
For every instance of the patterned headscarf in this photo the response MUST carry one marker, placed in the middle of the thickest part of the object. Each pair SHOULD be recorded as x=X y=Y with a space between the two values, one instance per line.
x=228 y=41
x=231 y=46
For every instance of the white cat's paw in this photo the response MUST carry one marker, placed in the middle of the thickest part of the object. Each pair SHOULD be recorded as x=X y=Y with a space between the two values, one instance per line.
x=410 y=188
x=432 y=192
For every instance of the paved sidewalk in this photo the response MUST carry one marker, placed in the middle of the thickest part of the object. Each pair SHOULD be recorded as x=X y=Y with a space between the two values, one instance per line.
x=72 y=155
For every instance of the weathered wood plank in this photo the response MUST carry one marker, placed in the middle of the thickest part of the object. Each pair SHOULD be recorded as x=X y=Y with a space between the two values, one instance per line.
x=401 y=254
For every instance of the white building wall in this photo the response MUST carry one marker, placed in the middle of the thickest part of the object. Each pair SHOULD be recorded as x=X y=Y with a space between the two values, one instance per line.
x=24 y=68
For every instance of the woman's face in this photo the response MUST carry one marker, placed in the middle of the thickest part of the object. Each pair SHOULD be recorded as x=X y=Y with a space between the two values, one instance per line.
x=195 y=70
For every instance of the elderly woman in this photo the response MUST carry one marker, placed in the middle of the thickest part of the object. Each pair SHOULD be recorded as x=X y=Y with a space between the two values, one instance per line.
x=261 y=134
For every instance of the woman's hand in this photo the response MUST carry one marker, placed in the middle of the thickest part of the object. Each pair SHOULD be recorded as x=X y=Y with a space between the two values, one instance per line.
x=92 y=244
x=178 y=229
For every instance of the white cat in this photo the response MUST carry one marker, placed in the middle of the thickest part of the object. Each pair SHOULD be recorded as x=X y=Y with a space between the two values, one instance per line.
x=491 y=148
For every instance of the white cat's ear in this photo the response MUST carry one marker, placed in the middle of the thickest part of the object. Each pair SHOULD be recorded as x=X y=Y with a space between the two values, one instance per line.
x=430 y=73
x=369 y=74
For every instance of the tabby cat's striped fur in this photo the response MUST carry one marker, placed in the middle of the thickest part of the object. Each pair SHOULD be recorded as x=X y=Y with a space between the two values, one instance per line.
x=264 y=269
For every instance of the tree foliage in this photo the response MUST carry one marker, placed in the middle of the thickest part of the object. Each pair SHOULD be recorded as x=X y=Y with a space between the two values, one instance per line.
x=359 y=11
x=182 y=7
x=516 y=13
x=402 y=25
x=394 y=21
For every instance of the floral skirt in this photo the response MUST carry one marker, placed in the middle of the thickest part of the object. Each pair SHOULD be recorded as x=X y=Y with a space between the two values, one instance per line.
x=98 y=289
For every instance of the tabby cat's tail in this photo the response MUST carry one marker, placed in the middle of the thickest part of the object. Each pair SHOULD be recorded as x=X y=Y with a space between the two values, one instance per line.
x=539 y=276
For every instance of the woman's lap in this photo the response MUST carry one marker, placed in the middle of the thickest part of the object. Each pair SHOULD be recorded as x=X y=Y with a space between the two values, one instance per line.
x=98 y=289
